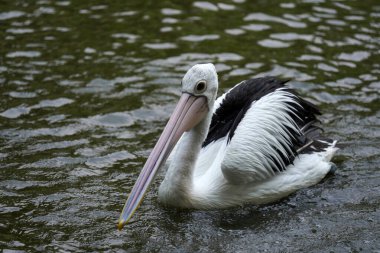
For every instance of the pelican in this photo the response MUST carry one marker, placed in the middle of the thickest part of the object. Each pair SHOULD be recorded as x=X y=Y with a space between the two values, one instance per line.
x=257 y=143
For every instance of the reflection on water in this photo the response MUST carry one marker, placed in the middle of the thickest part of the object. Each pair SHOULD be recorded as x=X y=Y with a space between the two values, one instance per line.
x=86 y=88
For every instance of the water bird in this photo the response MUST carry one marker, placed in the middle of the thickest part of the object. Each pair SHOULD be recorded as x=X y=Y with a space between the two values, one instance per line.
x=257 y=143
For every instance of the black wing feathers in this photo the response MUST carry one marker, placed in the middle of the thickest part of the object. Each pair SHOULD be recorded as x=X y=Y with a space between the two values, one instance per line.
x=234 y=106
x=238 y=100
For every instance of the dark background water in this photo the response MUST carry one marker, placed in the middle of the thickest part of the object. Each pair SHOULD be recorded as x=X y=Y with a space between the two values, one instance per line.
x=86 y=87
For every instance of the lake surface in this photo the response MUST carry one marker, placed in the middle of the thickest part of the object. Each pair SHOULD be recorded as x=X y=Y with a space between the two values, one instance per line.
x=87 y=86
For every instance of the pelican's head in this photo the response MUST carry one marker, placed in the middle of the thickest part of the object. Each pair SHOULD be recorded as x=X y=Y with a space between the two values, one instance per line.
x=199 y=88
x=201 y=80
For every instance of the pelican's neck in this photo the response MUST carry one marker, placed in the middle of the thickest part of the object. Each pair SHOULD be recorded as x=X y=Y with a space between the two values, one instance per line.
x=177 y=184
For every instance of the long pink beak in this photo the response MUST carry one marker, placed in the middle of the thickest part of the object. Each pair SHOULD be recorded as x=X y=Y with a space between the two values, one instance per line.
x=189 y=111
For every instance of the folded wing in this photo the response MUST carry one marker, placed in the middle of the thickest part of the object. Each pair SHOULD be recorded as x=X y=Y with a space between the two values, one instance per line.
x=267 y=125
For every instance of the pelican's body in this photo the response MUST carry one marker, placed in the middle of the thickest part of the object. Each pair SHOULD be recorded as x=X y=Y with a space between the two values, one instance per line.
x=255 y=144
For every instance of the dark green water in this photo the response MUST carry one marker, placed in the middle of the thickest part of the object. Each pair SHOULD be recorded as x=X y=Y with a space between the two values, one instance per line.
x=86 y=87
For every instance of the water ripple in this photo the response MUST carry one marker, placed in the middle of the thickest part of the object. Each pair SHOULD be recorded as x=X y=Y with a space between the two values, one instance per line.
x=205 y=5
x=326 y=67
x=273 y=43
x=108 y=160
x=52 y=103
x=130 y=38
x=21 y=94
x=160 y=45
x=56 y=145
x=292 y=36
x=256 y=27
x=21 y=110
x=23 y=134
x=56 y=162
x=198 y=38
x=183 y=61
x=265 y=17
x=15 y=112
x=11 y=14
x=355 y=56
x=235 y=31
x=20 y=30
x=28 y=54
x=170 y=12
x=285 y=72
x=115 y=119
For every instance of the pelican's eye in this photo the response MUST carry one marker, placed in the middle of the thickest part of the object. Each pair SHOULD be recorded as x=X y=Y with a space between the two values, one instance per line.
x=200 y=87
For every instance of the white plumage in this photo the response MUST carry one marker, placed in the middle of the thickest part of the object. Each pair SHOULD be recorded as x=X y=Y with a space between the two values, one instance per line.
x=252 y=158
x=228 y=174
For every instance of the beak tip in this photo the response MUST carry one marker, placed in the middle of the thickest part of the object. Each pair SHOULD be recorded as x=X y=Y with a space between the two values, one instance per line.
x=121 y=224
